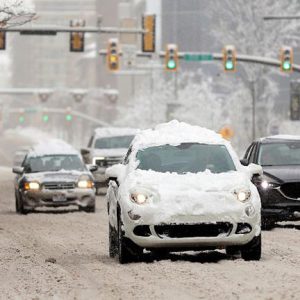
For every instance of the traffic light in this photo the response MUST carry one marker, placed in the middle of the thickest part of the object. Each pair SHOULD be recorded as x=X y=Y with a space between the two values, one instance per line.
x=286 y=59
x=229 y=58
x=69 y=117
x=77 y=38
x=171 y=62
x=113 y=60
x=148 y=37
x=21 y=119
x=45 y=118
x=2 y=40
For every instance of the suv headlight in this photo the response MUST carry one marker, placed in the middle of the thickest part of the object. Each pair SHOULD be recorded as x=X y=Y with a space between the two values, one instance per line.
x=85 y=182
x=242 y=195
x=33 y=185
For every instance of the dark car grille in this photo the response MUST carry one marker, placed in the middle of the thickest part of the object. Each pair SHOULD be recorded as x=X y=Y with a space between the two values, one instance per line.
x=194 y=230
x=107 y=162
x=291 y=190
x=59 y=185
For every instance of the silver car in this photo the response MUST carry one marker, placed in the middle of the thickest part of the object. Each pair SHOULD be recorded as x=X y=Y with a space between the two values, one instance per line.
x=54 y=177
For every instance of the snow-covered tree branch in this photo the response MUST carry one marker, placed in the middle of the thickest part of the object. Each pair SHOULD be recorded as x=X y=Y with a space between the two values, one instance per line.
x=15 y=12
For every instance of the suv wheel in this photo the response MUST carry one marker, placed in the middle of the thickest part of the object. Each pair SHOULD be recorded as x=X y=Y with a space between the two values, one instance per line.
x=88 y=209
x=20 y=205
x=252 y=250
x=127 y=250
x=113 y=241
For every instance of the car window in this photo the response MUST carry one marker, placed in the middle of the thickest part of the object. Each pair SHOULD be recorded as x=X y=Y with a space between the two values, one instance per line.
x=186 y=158
x=248 y=152
x=252 y=154
x=280 y=153
x=115 y=142
x=51 y=163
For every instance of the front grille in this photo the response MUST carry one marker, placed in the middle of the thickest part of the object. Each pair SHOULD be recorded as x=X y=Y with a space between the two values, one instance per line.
x=194 y=230
x=107 y=162
x=291 y=190
x=59 y=185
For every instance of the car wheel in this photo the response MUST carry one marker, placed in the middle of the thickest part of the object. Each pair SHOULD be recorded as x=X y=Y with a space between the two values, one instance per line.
x=113 y=241
x=20 y=205
x=127 y=250
x=231 y=251
x=88 y=209
x=252 y=250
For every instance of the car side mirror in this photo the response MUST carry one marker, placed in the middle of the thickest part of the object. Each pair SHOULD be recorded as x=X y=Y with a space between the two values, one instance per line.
x=244 y=162
x=92 y=168
x=255 y=170
x=84 y=151
x=18 y=170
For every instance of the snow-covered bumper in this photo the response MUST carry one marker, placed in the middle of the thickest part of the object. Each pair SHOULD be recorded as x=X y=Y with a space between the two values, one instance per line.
x=56 y=198
x=191 y=232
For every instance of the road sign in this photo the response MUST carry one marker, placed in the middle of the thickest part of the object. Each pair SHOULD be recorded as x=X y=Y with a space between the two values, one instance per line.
x=198 y=57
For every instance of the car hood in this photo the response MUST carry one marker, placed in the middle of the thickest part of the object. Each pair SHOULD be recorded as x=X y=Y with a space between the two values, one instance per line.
x=60 y=176
x=172 y=195
x=283 y=174
x=109 y=152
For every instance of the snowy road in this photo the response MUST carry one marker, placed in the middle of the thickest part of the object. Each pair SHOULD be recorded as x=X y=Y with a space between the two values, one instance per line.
x=83 y=270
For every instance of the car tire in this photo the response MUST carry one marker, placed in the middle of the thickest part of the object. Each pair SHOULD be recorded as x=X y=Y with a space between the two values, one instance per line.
x=20 y=205
x=113 y=242
x=127 y=250
x=252 y=250
x=232 y=250
x=88 y=209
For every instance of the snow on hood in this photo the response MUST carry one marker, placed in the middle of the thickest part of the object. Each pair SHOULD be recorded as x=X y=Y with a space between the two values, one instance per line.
x=114 y=131
x=61 y=176
x=189 y=194
x=53 y=147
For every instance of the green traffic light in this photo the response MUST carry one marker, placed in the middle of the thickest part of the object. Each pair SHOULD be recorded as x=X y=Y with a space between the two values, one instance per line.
x=69 y=118
x=286 y=65
x=45 y=118
x=171 y=64
x=229 y=65
x=21 y=119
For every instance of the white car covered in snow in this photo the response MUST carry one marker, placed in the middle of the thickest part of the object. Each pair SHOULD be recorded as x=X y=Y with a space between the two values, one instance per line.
x=180 y=188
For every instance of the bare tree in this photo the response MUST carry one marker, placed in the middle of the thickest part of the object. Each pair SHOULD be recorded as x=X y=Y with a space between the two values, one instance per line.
x=15 y=12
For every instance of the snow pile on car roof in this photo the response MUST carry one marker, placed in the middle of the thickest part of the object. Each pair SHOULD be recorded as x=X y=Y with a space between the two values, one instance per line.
x=52 y=147
x=115 y=131
x=175 y=133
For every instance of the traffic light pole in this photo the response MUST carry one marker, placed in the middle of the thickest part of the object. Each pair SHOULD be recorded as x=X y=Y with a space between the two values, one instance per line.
x=53 y=30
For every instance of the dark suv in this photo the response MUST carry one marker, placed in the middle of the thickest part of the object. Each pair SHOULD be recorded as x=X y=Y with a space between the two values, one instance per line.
x=279 y=187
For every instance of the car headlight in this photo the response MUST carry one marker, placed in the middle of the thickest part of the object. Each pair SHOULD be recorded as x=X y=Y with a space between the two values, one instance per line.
x=243 y=195
x=139 y=198
x=85 y=184
x=96 y=158
x=31 y=186
x=268 y=185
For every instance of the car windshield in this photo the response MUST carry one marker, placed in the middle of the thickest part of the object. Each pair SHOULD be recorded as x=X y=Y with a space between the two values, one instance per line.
x=186 y=157
x=279 y=154
x=115 y=142
x=51 y=163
